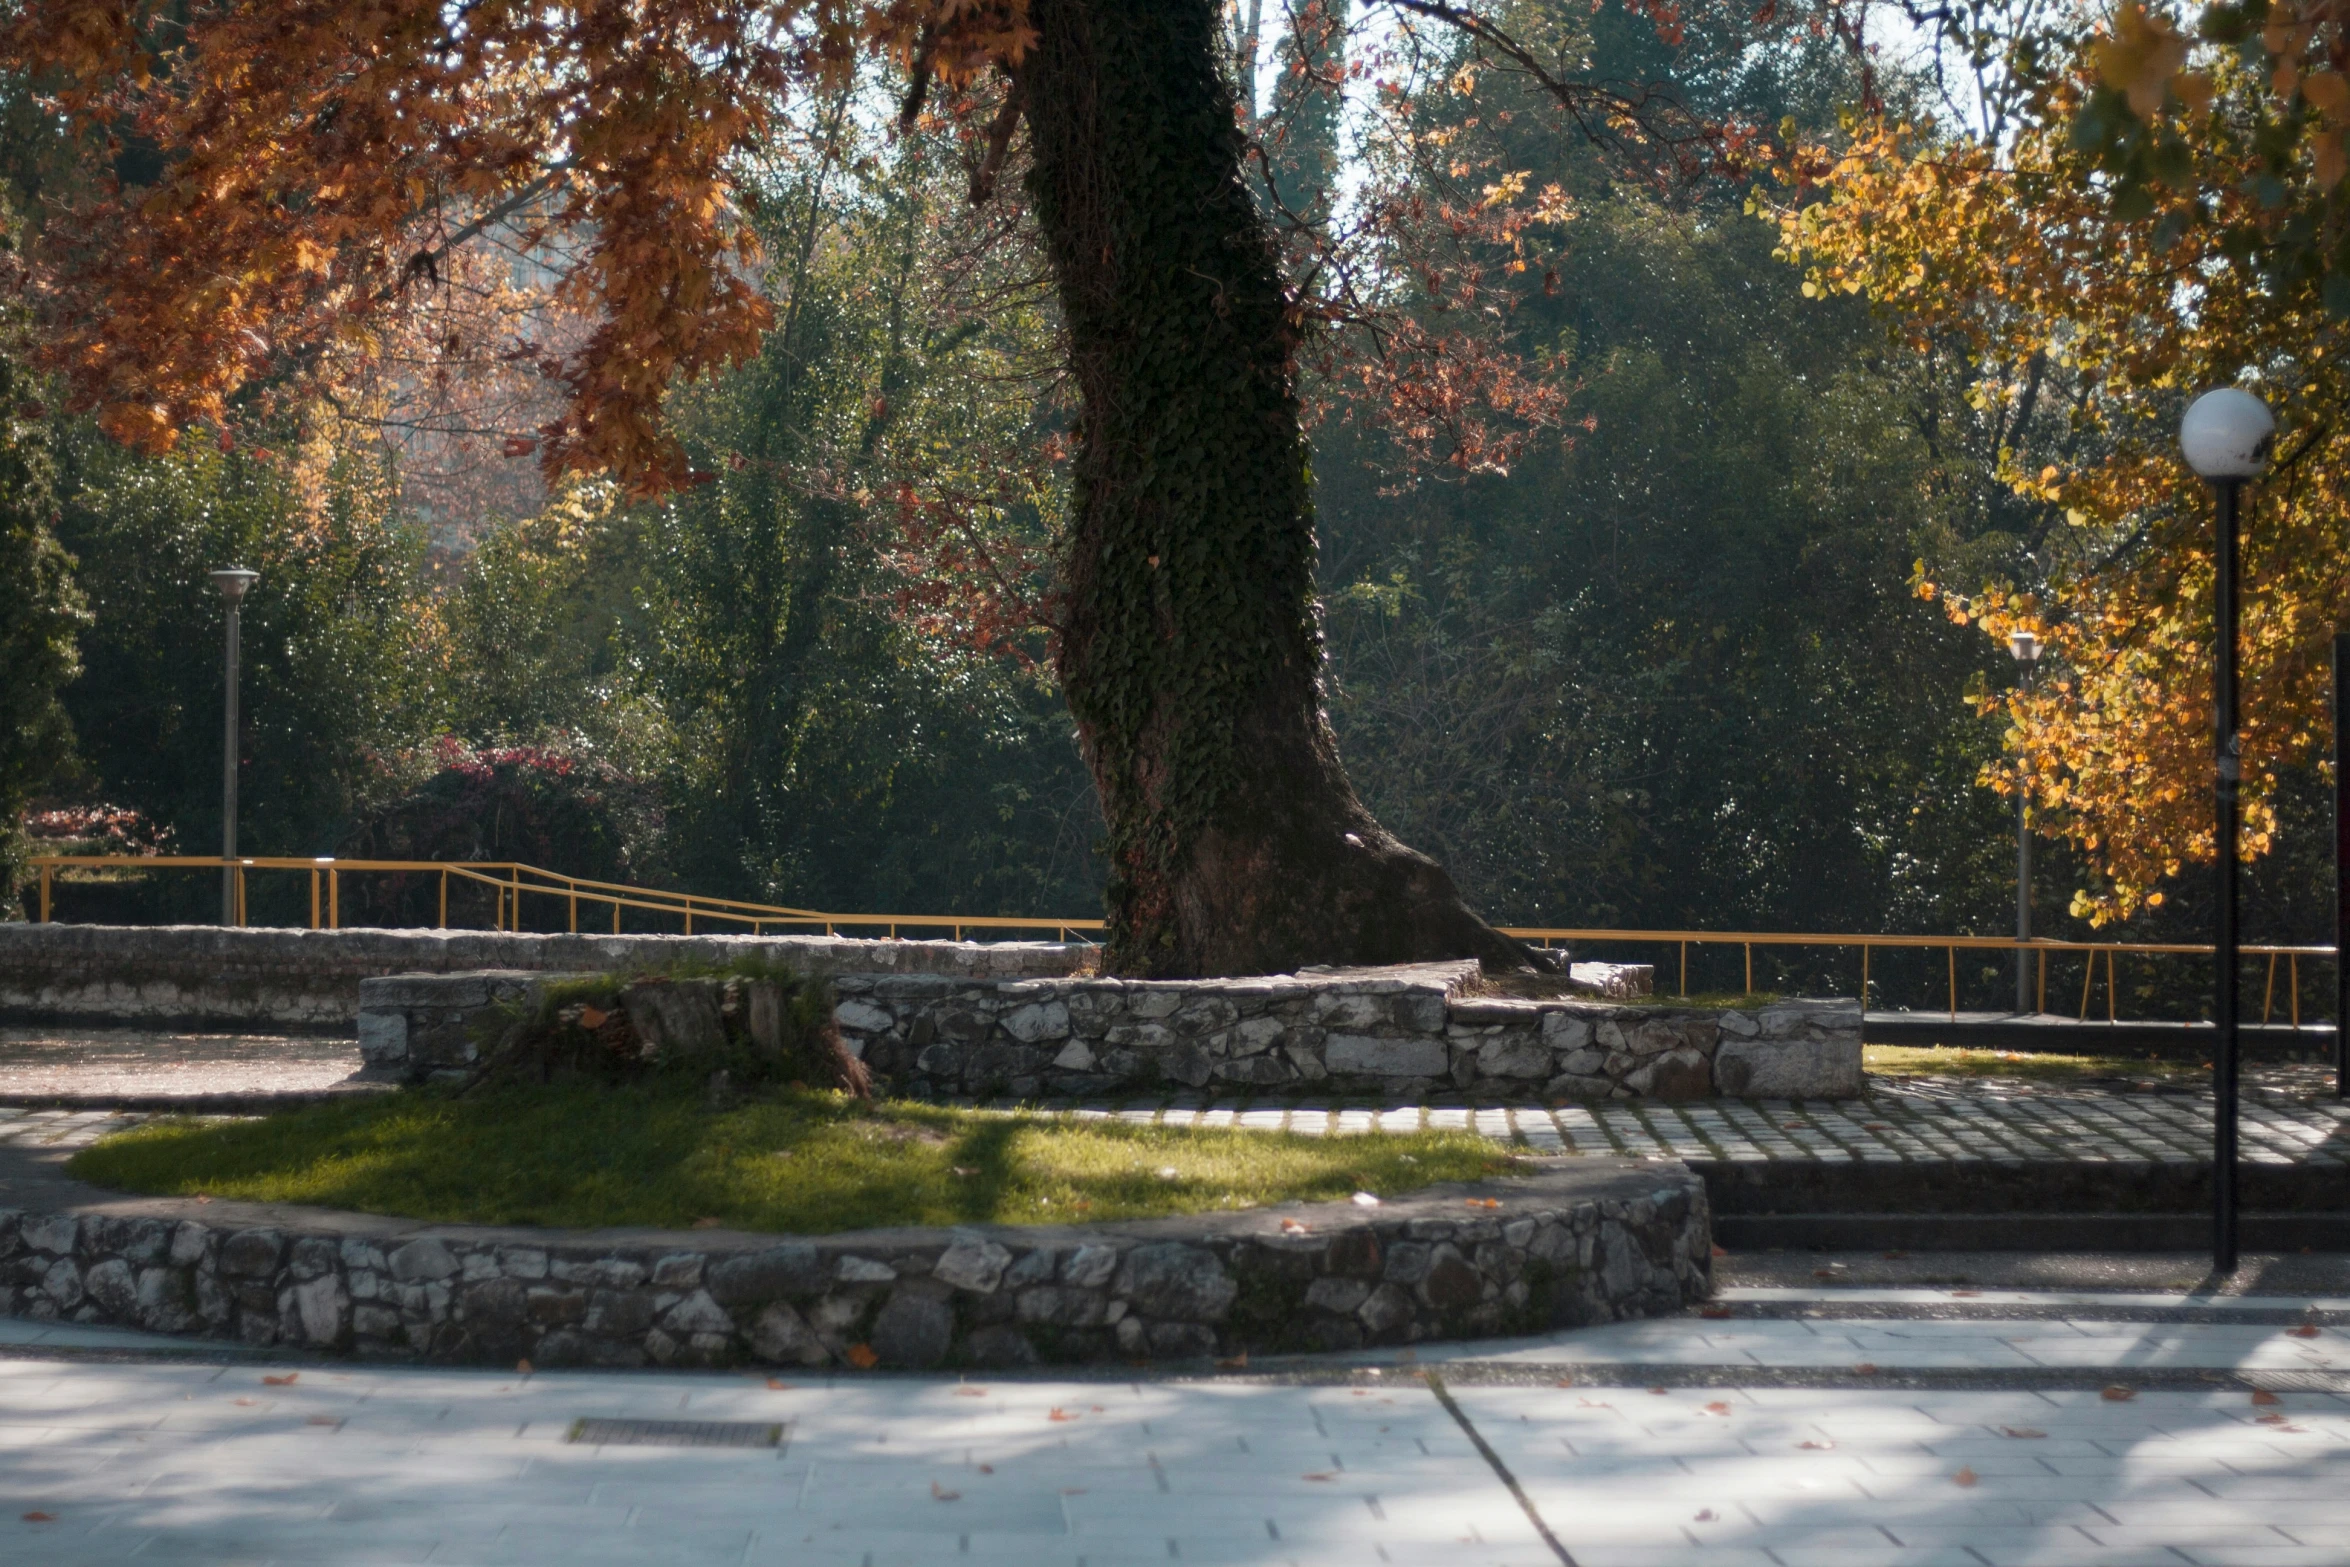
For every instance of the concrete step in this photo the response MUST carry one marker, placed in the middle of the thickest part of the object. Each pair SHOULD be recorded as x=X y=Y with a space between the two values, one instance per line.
x=2026 y=1232
x=2010 y=1188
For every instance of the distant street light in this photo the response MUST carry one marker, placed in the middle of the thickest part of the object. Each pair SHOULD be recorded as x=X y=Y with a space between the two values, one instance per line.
x=2226 y=437
x=232 y=582
x=2027 y=649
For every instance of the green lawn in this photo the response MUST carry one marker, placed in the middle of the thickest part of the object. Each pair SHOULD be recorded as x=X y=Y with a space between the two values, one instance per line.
x=584 y=1155
x=2031 y=1065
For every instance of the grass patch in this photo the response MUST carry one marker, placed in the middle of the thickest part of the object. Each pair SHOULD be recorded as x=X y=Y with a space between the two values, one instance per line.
x=584 y=1154
x=2029 y=1065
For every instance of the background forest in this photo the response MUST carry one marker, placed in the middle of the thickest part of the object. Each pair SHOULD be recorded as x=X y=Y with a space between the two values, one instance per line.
x=1667 y=665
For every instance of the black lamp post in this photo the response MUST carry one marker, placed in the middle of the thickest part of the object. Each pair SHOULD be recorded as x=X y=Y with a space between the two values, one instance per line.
x=2226 y=438
x=2027 y=649
x=232 y=582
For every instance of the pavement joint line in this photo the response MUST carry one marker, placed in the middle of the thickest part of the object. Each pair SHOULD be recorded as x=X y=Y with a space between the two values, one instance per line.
x=1501 y=1470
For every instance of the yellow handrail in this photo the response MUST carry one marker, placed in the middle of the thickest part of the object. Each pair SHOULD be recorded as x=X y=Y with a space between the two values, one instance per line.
x=509 y=880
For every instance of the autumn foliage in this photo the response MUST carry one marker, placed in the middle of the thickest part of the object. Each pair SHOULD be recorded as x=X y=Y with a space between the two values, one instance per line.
x=279 y=175
x=2089 y=322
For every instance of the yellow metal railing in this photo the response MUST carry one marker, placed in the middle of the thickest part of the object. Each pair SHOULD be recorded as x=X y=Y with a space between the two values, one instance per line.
x=510 y=882
x=1952 y=945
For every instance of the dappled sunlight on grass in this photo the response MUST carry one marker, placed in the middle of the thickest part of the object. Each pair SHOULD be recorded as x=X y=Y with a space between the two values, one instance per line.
x=580 y=1155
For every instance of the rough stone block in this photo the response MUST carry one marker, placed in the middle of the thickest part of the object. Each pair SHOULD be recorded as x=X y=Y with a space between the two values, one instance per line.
x=794 y=1270
x=913 y=1330
x=1789 y=1068
x=1374 y=1057
x=1170 y=1279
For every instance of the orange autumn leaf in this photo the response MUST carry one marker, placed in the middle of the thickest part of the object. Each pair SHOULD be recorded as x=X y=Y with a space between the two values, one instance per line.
x=862 y=1357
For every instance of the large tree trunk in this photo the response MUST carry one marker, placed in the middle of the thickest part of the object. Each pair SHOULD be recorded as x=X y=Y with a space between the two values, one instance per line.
x=1190 y=649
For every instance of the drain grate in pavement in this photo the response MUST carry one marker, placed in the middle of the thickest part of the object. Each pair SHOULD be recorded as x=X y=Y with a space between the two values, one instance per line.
x=676 y=1433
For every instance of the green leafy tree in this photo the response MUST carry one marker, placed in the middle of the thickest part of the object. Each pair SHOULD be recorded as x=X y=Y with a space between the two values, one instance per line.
x=40 y=614
x=340 y=647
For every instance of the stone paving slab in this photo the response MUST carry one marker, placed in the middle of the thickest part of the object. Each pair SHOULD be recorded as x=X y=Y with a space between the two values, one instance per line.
x=118 y=1461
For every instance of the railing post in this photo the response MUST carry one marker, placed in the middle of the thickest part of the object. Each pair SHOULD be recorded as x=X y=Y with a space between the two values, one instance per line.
x=1954 y=982
x=1750 y=968
x=45 y=894
x=514 y=875
x=334 y=898
x=575 y=911
x=314 y=897
x=1684 y=970
x=444 y=924
x=240 y=897
x=2042 y=1005
x=1865 y=950
x=615 y=916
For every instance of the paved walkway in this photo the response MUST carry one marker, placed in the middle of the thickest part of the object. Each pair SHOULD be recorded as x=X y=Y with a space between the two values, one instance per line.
x=1903 y=1119
x=2040 y=1430
x=38 y=1063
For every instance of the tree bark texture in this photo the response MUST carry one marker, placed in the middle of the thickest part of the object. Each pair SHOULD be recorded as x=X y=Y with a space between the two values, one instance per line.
x=1190 y=645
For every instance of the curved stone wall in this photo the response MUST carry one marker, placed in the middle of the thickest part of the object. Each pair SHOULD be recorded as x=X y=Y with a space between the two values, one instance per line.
x=1580 y=1241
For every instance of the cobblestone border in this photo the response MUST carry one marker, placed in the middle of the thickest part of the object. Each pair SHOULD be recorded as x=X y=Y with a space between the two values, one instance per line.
x=1576 y=1243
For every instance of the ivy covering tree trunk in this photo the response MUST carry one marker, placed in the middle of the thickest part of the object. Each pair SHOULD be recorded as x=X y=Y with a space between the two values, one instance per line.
x=1190 y=646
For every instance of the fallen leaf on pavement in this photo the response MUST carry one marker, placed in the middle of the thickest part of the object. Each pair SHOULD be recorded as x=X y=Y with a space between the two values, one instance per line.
x=288 y=1380
x=1719 y=1252
x=1717 y=1407
x=1292 y=1227
x=1965 y=1477
x=1058 y=1413
x=524 y=1367
x=945 y=1496
x=244 y=1403
x=2118 y=1394
x=1706 y=1515
x=322 y=1420
x=2306 y=1330
x=1817 y=1447
x=961 y=1392
x=40 y=1518
x=862 y=1357
x=987 y=1469
x=1715 y=1313
x=1864 y=1368
x=1658 y=1391
x=1485 y=1202
x=2261 y=1395
x=1238 y=1362
x=2022 y=1433
x=1323 y=1475
x=1964 y=1294
x=778 y=1385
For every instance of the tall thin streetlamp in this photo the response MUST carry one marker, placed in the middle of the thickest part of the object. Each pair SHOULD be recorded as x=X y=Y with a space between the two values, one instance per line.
x=2027 y=649
x=232 y=582
x=2226 y=437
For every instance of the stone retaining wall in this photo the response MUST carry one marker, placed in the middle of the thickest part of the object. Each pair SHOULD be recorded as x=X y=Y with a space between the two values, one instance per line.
x=1581 y=1241
x=190 y=974
x=1410 y=1032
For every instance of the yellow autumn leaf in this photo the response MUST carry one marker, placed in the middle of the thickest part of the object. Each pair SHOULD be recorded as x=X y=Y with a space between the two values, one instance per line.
x=2144 y=52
